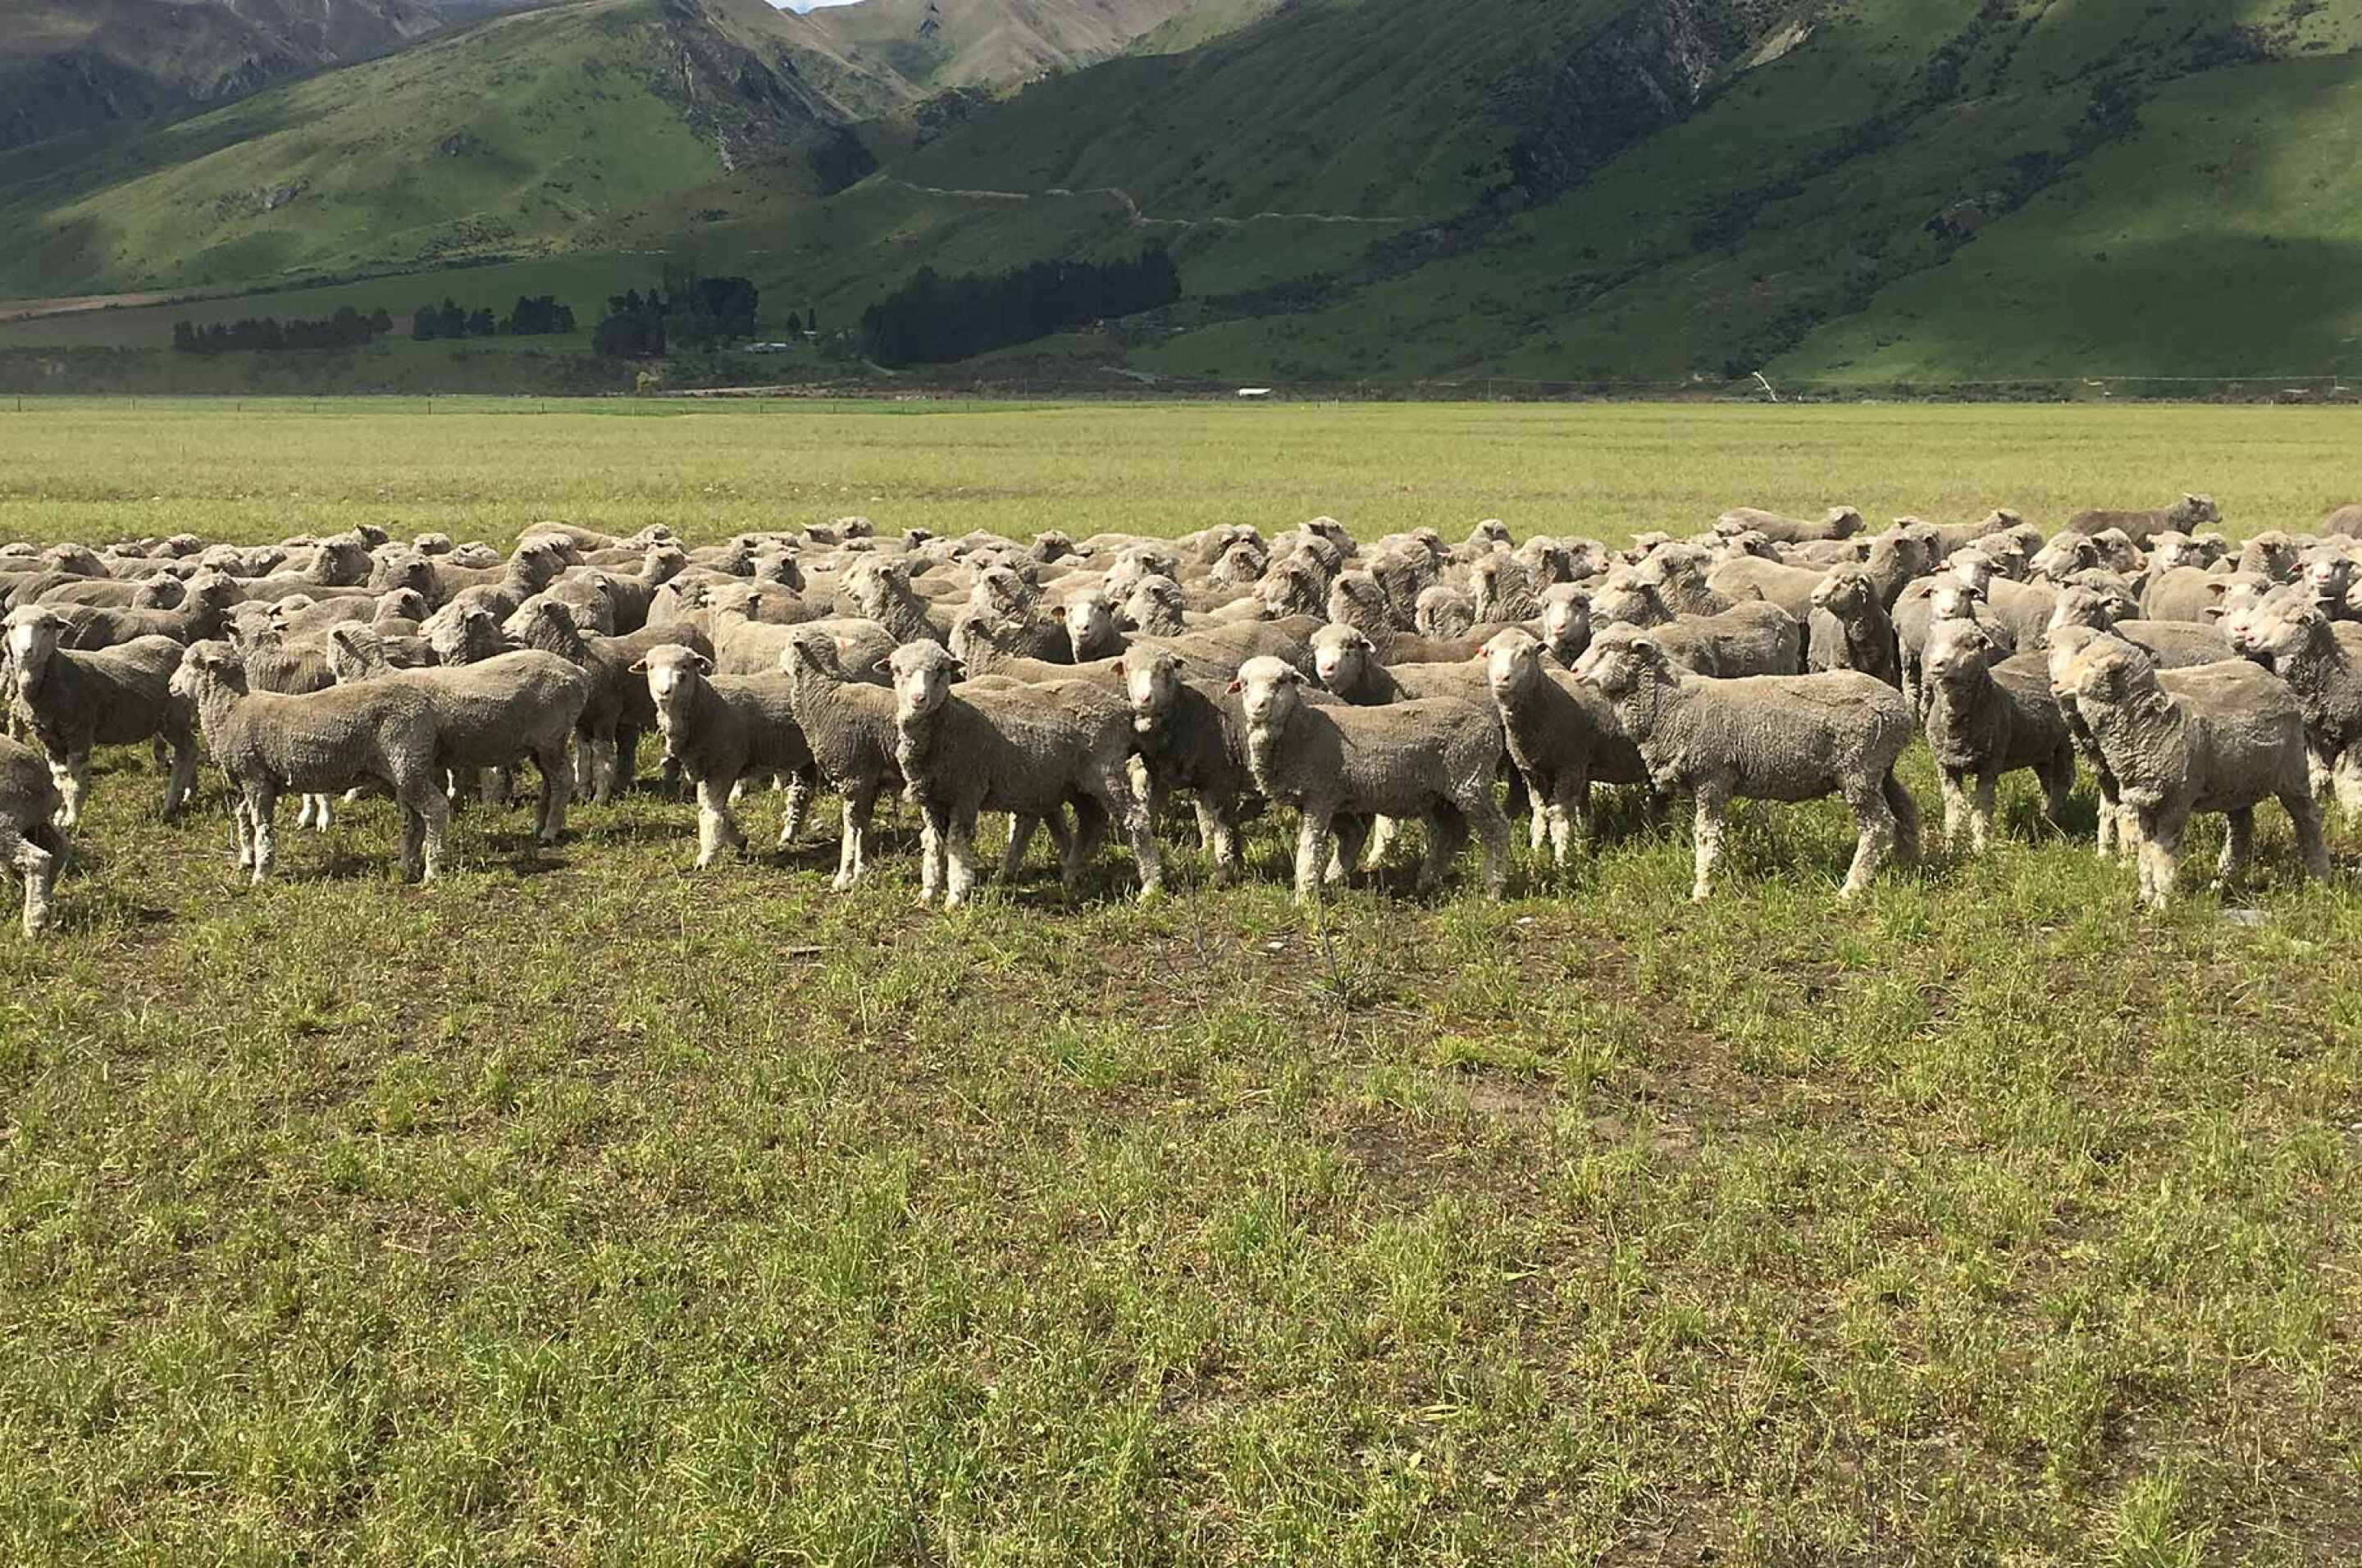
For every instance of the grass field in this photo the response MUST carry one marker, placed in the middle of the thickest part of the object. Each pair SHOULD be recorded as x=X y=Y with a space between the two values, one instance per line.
x=587 y=1211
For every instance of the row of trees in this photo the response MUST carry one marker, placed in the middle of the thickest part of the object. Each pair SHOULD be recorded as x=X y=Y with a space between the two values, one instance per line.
x=349 y=328
x=932 y=319
x=690 y=312
x=534 y=315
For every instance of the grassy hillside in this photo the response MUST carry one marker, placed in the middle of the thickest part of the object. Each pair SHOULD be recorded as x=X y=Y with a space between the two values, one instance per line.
x=973 y=43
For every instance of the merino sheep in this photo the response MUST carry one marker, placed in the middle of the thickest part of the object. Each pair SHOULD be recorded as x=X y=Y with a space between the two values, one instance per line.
x=76 y=701
x=2225 y=738
x=1793 y=738
x=620 y=710
x=1987 y=715
x=1433 y=759
x=1850 y=629
x=316 y=743
x=491 y=714
x=30 y=844
x=1190 y=739
x=1027 y=751
x=2186 y=515
x=848 y=723
x=1836 y=522
x=2296 y=642
x=1561 y=735
x=723 y=728
x=2170 y=644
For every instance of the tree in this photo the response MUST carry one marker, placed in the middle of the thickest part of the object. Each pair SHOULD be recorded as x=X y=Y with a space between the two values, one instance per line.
x=379 y=322
x=793 y=327
x=185 y=337
x=425 y=324
x=450 y=321
x=481 y=323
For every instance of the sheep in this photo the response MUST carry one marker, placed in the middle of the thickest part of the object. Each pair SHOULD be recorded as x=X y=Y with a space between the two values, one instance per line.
x=1850 y=629
x=1091 y=629
x=1566 y=621
x=30 y=842
x=2273 y=555
x=1752 y=638
x=76 y=700
x=2224 y=738
x=1189 y=739
x=156 y=591
x=848 y=723
x=490 y=713
x=1789 y=587
x=317 y=742
x=2185 y=515
x=205 y=604
x=2296 y=642
x=620 y=710
x=1502 y=589
x=1443 y=613
x=879 y=590
x=2193 y=593
x=2329 y=575
x=1836 y=522
x=1561 y=734
x=1678 y=574
x=533 y=565
x=272 y=666
x=723 y=728
x=1987 y=715
x=2170 y=644
x=1763 y=737
x=2345 y=521
x=1356 y=599
x=1024 y=750
x=1339 y=765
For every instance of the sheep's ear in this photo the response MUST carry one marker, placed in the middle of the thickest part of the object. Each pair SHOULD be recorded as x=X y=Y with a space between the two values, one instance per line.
x=884 y=665
x=1118 y=667
x=1058 y=613
x=639 y=667
x=1236 y=685
x=704 y=665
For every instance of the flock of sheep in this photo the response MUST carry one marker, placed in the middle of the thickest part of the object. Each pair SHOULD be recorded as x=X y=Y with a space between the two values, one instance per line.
x=1077 y=686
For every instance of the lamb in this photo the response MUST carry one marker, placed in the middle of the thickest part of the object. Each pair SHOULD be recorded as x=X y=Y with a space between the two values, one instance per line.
x=1836 y=522
x=723 y=728
x=490 y=714
x=1561 y=735
x=848 y=723
x=2170 y=644
x=319 y=743
x=1340 y=766
x=1027 y=751
x=2227 y=738
x=1763 y=737
x=2186 y=515
x=75 y=701
x=1850 y=629
x=880 y=591
x=620 y=710
x=1189 y=739
x=1987 y=715
x=2296 y=642
x=30 y=844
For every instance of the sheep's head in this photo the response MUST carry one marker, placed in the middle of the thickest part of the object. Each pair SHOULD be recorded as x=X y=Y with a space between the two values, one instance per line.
x=1972 y=568
x=1000 y=592
x=2169 y=550
x=1626 y=599
x=1845 y=592
x=2193 y=511
x=79 y=560
x=1621 y=661
x=1089 y=620
x=672 y=674
x=1342 y=656
x=1356 y=598
x=2077 y=606
x=2274 y=554
x=778 y=566
x=1546 y=560
x=1513 y=660
x=356 y=652
x=665 y=560
x=1443 y=613
x=921 y=674
x=475 y=556
x=1958 y=651
x=538 y=562
x=2329 y=574
x=432 y=544
x=743 y=601
x=1953 y=600
x=1903 y=552
x=402 y=604
x=2231 y=593
x=1156 y=607
x=34 y=632
x=342 y=560
x=1333 y=533
x=1500 y=584
x=1152 y=682
x=2063 y=556
x=1134 y=564
x=250 y=627
x=1749 y=542
x=181 y=544
x=399 y=566
x=540 y=621
x=2116 y=552
x=160 y=590
x=469 y=636
x=1241 y=564
x=2274 y=630
x=876 y=584
x=1267 y=689
x=1566 y=619
x=206 y=665
x=1489 y=534
x=1290 y=588
x=1051 y=544
x=810 y=652
x=2108 y=674
x=1842 y=522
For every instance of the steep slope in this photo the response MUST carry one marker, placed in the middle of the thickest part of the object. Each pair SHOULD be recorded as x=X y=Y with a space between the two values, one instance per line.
x=510 y=137
x=937 y=44
x=70 y=65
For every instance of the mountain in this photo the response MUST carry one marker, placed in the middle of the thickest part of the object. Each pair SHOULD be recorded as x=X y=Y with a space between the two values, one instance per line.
x=934 y=44
x=69 y=65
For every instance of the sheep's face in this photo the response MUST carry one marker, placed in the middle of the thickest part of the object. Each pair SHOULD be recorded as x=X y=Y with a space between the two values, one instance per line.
x=1290 y=588
x=33 y=634
x=2193 y=511
x=2114 y=548
x=1974 y=568
x=1489 y=534
x=1958 y=652
x=2328 y=575
x=475 y=556
x=877 y=583
x=2107 y=674
x=1954 y=602
x=1090 y=625
x=467 y=637
x=1513 y=659
x=1152 y=682
x=1241 y=564
x=1341 y=657
x=251 y=626
x=744 y=600
x=1843 y=522
x=159 y=591
x=1267 y=690
x=1621 y=662
x=1845 y=593
x=2274 y=554
x=1566 y=618
x=1051 y=545
x=2232 y=594
x=999 y=590
x=343 y=559
x=402 y=604
x=206 y=663
x=1751 y=542
x=180 y=544
x=2080 y=607
x=665 y=561
x=2168 y=551
x=921 y=674
x=432 y=544
x=1627 y=600
x=673 y=674
x=2272 y=632
x=1155 y=607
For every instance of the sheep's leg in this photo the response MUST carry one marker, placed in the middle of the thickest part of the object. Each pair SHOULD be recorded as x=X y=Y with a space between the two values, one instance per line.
x=1021 y=826
x=494 y=785
x=586 y=765
x=1382 y=839
x=2317 y=771
x=1311 y=840
x=1874 y=826
x=2158 y=844
x=557 y=790
x=1955 y=807
x=2115 y=837
x=800 y=794
x=72 y=780
x=2238 y=845
x=1353 y=830
x=932 y=830
x=181 y=787
x=1980 y=810
x=241 y=827
x=959 y=847
x=853 y=847
x=262 y=810
x=2304 y=816
x=431 y=813
x=1091 y=816
x=1140 y=827
x=1905 y=812
x=1222 y=840
x=2057 y=777
x=304 y=808
x=38 y=866
x=1447 y=835
x=1711 y=805
x=715 y=830
x=1493 y=834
